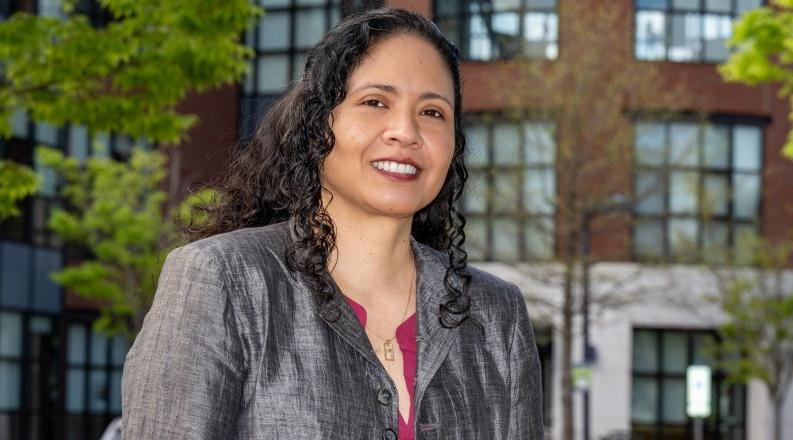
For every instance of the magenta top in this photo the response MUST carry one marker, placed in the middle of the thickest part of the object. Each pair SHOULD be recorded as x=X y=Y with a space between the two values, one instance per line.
x=406 y=339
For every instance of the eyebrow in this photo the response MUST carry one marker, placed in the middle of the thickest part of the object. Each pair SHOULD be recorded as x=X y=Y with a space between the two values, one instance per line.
x=393 y=90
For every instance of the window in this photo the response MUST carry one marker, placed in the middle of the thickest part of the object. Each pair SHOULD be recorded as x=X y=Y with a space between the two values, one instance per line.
x=509 y=197
x=94 y=365
x=658 y=394
x=686 y=30
x=281 y=40
x=501 y=29
x=28 y=375
x=697 y=188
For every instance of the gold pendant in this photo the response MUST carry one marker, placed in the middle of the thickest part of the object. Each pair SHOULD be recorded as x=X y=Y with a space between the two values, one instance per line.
x=388 y=350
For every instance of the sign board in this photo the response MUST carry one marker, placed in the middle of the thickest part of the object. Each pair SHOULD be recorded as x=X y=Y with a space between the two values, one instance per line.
x=582 y=377
x=698 y=391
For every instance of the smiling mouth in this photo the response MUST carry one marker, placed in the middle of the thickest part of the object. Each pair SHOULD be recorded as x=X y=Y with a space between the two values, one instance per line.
x=395 y=167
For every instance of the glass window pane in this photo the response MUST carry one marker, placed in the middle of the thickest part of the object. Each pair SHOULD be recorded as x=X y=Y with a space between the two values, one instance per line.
x=274 y=31
x=686 y=44
x=49 y=180
x=98 y=391
x=118 y=350
x=78 y=142
x=273 y=73
x=476 y=142
x=674 y=398
x=446 y=8
x=40 y=325
x=75 y=390
x=499 y=5
x=98 y=348
x=745 y=242
x=479 y=43
x=746 y=195
x=299 y=65
x=540 y=33
x=10 y=334
x=688 y=5
x=507 y=191
x=100 y=146
x=645 y=351
x=716 y=194
x=746 y=148
x=505 y=240
x=542 y=4
x=649 y=238
x=309 y=2
x=650 y=143
x=742 y=6
x=652 y=4
x=684 y=144
x=19 y=124
x=311 y=26
x=716 y=236
x=650 y=192
x=539 y=191
x=475 y=192
x=644 y=400
x=717 y=146
x=476 y=238
x=683 y=235
x=539 y=238
x=274 y=3
x=650 y=35
x=718 y=6
x=76 y=343
x=675 y=348
x=539 y=145
x=717 y=29
x=450 y=27
x=506 y=144
x=115 y=392
x=703 y=348
x=10 y=385
x=683 y=192
x=46 y=133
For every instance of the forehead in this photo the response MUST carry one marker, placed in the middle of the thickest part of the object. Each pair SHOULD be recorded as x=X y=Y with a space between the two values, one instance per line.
x=407 y=62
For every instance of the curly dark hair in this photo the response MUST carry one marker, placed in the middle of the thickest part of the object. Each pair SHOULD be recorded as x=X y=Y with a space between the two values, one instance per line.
x=276 y=175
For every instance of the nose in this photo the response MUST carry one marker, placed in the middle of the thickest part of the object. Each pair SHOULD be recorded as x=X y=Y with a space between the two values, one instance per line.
x=402 y=127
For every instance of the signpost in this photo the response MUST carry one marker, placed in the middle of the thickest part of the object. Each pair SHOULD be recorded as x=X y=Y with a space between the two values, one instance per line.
x=698 y=396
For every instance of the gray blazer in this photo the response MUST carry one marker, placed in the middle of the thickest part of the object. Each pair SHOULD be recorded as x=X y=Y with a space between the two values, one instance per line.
x=236 y=347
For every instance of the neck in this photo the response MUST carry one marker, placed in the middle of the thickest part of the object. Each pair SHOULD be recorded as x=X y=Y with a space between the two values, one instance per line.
x=372 y=261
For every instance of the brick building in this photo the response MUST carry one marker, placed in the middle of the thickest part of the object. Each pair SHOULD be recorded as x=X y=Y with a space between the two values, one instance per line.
x=58 y=379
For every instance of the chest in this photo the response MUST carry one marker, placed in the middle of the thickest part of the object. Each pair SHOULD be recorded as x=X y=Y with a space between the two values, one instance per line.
x=309 y=380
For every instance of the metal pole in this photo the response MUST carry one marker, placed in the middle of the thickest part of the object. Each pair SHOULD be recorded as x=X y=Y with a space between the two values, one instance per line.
x=585 y=311
x=698 y=428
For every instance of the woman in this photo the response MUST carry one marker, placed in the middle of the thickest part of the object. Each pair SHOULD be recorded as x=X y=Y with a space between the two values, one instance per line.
x=328 y=296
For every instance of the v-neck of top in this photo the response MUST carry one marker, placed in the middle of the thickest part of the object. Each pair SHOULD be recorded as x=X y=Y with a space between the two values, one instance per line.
x=406 y=339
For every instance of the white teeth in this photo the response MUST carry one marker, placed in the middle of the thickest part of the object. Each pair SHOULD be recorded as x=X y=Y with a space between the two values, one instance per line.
x=394 y=167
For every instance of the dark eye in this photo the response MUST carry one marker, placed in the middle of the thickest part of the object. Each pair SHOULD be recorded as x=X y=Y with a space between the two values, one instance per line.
x=374 y=103
x=434 y=113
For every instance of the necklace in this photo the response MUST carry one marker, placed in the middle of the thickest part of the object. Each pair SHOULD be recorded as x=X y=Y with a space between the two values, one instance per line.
x=388 y=344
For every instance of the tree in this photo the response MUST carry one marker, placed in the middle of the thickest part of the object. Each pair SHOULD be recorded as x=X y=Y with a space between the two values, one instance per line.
x=763 y=39
x=757 y=302
x=590 y=94
x=116 y=218
x=125 y=77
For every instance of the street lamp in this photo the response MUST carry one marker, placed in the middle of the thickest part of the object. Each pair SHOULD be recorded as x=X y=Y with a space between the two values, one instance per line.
x=616 y=203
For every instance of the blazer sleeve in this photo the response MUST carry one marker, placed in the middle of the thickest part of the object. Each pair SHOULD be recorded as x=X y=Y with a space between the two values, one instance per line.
x=526 y=414
x=183 y=374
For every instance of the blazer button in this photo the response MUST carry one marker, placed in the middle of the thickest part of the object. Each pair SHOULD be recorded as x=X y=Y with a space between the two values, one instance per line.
x=385 y=396
x=389 y=434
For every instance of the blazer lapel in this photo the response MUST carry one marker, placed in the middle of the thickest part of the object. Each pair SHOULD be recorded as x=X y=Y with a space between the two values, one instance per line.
x=433 y=340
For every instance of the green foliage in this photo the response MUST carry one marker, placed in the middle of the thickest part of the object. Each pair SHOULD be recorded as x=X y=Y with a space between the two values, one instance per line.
x=763 y=40
x=126 y=77
x=758 y=331
x=16 y=183
x=117 y=216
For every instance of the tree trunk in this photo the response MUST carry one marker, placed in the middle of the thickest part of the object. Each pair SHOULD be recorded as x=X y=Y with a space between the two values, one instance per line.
x=778 y=401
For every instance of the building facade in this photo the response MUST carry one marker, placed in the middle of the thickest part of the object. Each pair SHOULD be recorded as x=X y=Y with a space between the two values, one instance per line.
x=59 y=379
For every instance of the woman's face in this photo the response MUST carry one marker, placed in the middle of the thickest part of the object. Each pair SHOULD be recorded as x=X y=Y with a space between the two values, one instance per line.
x=394 y=131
